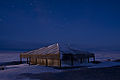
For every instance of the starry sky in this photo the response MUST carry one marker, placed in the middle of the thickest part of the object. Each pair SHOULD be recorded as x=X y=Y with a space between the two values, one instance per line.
x=33 y=23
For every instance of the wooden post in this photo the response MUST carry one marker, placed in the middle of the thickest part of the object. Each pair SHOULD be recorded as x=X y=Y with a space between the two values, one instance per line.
x=94 y=58
x=72 y=60
x=60 y=62
x=21 y=60
x=81 y=60
x=35 y=60
x=46 y=62
x=88 y=60
x=27 y=60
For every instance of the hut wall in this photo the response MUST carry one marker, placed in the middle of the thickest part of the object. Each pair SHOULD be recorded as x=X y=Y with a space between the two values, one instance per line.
x=53 y=62
x=41 y=61
x=52 y=59
x=33 y=60
x=76 y=59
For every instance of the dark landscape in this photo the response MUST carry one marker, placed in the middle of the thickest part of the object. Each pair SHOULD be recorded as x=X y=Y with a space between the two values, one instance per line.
x=111 y=73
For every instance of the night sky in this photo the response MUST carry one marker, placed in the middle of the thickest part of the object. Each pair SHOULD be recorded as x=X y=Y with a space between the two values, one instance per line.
x=33 y=23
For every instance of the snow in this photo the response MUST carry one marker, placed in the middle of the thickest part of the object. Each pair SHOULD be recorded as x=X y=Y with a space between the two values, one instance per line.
x=13 y=71
x=102 y=55
x=105 y=64
x=100 y=65
x=10 y=56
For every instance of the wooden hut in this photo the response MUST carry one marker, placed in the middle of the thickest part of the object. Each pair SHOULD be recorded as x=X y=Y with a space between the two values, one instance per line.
x=53 y=56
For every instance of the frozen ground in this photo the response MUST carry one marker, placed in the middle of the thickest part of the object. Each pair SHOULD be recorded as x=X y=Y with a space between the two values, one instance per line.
x=9 y=56
x=111 y=73
x=105 y=64
x=12 y=72
x=103 y=55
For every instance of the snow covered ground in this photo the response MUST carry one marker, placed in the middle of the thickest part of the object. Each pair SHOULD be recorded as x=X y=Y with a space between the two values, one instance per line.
x=9 y=56
x=105 y=64
x=103 y=55
x=11 y=72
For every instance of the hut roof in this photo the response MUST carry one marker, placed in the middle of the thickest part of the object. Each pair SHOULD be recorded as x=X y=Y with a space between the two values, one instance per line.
x=55 y=49
x=52 y=49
